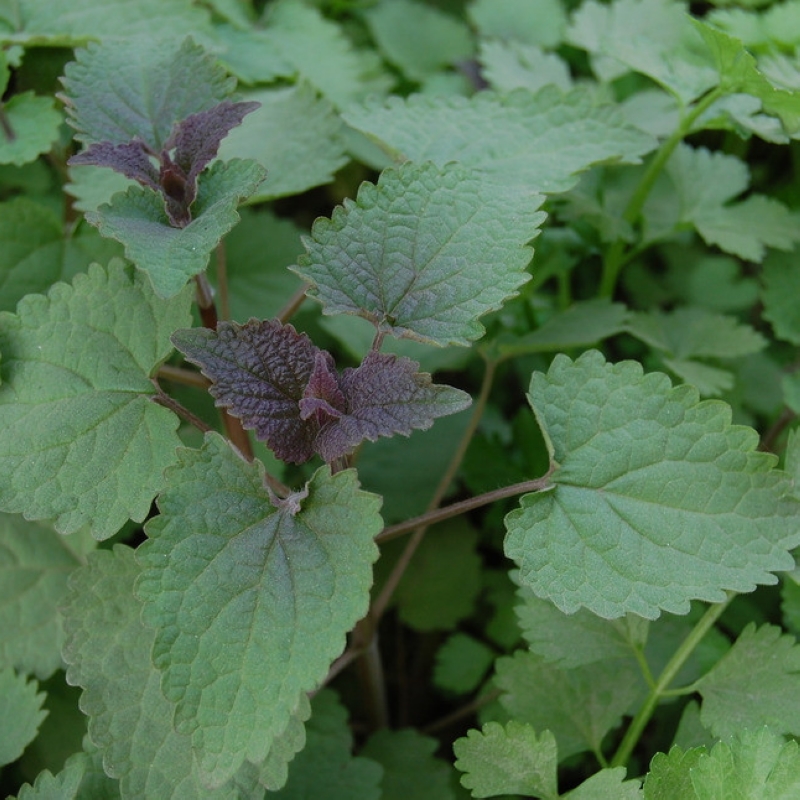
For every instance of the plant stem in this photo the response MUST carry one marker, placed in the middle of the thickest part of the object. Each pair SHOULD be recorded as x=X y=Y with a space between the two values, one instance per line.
x=615 y=255
x=222 y=282
x=465 y=711
x=382 y=601
x=294 y=302
x=639 y=722
x=163 y=399
x=5 y=125
x=186 y=377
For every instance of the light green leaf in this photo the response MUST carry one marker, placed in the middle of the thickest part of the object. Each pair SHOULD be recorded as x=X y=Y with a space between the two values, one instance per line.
x=81 y=777
x=34 y=123
x=514 y=65
x=657 y=498
x=756 y=683
x=670 y=774
x=76 y=23
x=108 y=651
x=461 y=663
x=35 y=563
x=253 y=55
x=36 y=253
x=423 y=253
x=320 y=52
x=608 y=784
x=80 y=440
x=21 y=712
x=171 y=256
x=326 y=767
x=410 y=768
x=92 y=186
x=508 y=759
x=653 y=37
x=418 y=39
x=140 y=87
x=754 y=765
x=523 y=142
x=537 y=22
x=295 y=136
x=781 y=290
x=250 y=601
x=709 y=381
x=579 y=705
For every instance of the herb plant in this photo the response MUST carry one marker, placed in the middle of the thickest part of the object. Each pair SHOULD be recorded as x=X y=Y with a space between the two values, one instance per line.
x=249 y=545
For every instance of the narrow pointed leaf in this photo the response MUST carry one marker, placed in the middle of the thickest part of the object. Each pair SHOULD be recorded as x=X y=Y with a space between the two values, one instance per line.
x=250 y=602
x=657 y=498
x=81 y=441
x=129 y=159
x=423 y=253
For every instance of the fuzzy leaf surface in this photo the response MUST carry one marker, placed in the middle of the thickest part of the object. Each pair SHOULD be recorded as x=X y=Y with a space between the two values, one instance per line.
x=508 y=759
x=35 y=563
x=80 y=440
x=108 y=651
x=538 y=23
x=35 y=123
x=608 y=784
x=250 y=602
x=670 y=774
x=657 y=498
x=81 y=776
x=21 y=707
x=531 y=143
x=423 y=253
x=513 y=65
x=756 y=683
x=138 y=88
x=170 y=255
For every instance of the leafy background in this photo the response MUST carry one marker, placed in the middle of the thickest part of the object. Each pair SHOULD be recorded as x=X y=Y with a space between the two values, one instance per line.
x=584 y=216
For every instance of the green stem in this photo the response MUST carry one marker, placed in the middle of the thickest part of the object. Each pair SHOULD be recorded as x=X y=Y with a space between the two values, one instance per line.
x=615 y=255
x=639 y=722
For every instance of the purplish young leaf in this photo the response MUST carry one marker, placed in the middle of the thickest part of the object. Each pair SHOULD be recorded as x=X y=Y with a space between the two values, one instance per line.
x=287 y=389
x=657 y=498
x=250 y=597
x=81 y=441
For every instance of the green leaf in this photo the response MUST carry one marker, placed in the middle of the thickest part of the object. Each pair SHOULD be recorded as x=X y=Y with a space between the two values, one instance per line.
x=754 y=765
x=513 y=65
x=92 y=186
x=508 y=759
x=108 y=651
x=35 y=22
x=608 y=784
x=388 y=255
x=545 y=139
x=756 y=683
x=670 y=775
x=35 y=563
x=80 y=440
x=410 y=768
x=81 y=777
x=139 y=88
x=326 y=767
x=253 y=55
x=418 y=39
x=461 y=663
x=34 y=123
x=781 y=288
x=21 y=712
x=171 y=256
x=653 y=37
x=579 y=705
x=295 y=136
x=250 y=601
x=657 y=498
x=538 y=23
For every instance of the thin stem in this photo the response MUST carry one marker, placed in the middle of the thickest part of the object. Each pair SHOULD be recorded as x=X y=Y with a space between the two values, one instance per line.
x=294 y=302
x=165 y=400
x=382 y=601
x=615 y=255
x=463 y=506
x=222 y=282
x=465 y=711
x=639 y=722
x=373 y=684
x=5 y=124
x=771 y=436
x=186 y=377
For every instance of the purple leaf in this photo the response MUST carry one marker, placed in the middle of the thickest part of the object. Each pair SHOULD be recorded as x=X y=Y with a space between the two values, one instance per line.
x=386 y=395
x=131 y=159
x=322 y=398
x=260 y=372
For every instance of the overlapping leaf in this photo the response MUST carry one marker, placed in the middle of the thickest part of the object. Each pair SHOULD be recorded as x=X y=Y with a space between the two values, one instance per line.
x=657 y=498
x=540 y=23
x=423 y=253
x=287 y=389
x=531 y=143
x=21 y=707
x=80 y=440
x=31 y=127
x=250 y=601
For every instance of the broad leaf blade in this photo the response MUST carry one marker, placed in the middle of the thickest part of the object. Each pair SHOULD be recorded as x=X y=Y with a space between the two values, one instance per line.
x=80 y=440
x=250 y=602
x=21 y=709
x=423 y=253
x=34 y=122
x=658 y=499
